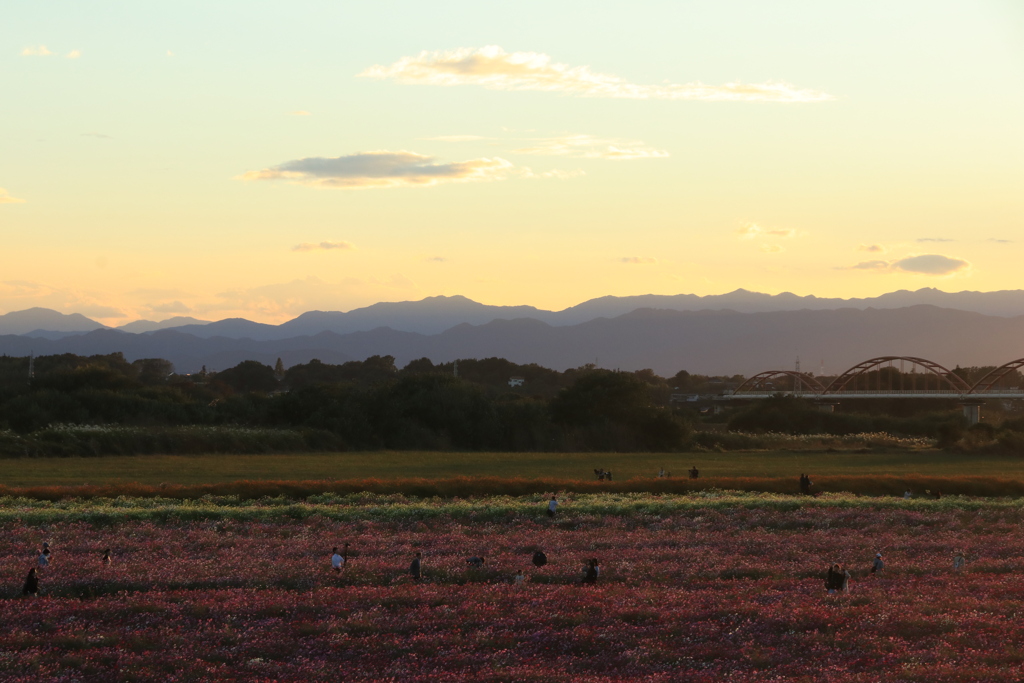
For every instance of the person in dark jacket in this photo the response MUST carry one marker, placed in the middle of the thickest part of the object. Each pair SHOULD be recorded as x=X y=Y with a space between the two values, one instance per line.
x=31 y=583
x=476 y=562
x=539 y=558
x=414 y=568
x=590 y=573
x=837 y=580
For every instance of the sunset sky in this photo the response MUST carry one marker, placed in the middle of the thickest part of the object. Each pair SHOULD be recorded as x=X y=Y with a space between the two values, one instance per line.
x=261 y=159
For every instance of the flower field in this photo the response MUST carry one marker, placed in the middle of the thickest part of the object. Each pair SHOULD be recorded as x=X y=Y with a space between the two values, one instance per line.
x=698 y=587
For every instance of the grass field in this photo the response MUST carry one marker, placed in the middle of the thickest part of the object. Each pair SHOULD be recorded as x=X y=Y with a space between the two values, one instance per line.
x=155 y=470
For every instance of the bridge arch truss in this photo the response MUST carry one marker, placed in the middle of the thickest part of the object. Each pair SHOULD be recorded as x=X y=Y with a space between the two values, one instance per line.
x=762 y=381
x=952 y=382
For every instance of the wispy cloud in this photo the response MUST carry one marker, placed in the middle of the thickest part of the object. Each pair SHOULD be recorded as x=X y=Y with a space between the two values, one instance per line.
x=457 y=138
x=323 y=246
x=437 y=259
x=493 y=68
x=752 y=230
x=638 y=260
x=8 y=199
x=772 y=249
x=934 y=239
x=97 y=135
x=381 y=169
x=590 y=147
x=74 y=54
x=872 y=248
x=999 y=241
x=36 y=51
x=871 y=265
x=923 y=264
x=299 y=112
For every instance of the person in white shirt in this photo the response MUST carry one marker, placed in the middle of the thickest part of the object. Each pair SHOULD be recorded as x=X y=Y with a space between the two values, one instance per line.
x=552 y=506
x=337 y=561
x=519 y=578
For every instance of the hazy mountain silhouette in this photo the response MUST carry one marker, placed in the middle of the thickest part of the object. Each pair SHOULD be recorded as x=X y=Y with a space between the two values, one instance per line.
x=38 y=320
x=140 y=326
x=710 y=342
x=438 y=313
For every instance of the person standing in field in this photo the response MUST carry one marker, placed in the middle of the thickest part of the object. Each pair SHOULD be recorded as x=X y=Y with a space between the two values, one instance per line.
x=590 y=572
x=106 y=556
x=414 y=568
x=837 y=580
x=31 y=586
x=694 y=472
x=878 y=565
x=337 y=561
x=552 y=506
x=44 y=557
x=539 y=558
x=519 y=578
x=959 y=561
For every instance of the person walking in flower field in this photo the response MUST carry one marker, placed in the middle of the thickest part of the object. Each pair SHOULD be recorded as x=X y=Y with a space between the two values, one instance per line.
x=337 y=560
x=878 y=564
x=519 y=578
x=837 y=580
x=959 y=561
x=414 y=568
x=590 y=573
x=552 y=506
x=31 y=586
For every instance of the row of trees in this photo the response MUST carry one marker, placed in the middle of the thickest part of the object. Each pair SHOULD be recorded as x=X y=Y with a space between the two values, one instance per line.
x=374 y=404
x=367 y=404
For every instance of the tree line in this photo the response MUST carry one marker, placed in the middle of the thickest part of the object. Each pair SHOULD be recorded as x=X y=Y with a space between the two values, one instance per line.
x=468 y=405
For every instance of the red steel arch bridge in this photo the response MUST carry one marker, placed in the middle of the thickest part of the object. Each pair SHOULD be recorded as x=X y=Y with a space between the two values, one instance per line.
x=887 y=377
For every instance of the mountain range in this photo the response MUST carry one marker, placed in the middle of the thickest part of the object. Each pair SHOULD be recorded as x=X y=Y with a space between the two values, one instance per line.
x=434 y=315
x=722 y=342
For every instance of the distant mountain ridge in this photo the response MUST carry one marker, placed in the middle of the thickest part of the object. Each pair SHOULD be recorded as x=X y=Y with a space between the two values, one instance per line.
x=434 y=315
x=708 y=342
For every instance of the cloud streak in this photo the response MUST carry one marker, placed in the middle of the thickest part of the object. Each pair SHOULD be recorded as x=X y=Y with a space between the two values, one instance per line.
x=638 y=260
x=8 y=199
x=323 y=246
x=36 y=51
x=381 y=169
x=752 y=230
x=492 y=68
x=923 y=264
x=589 y=147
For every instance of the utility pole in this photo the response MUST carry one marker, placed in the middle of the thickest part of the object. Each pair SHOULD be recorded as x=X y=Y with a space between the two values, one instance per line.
x=797 y=384
x=31 y=367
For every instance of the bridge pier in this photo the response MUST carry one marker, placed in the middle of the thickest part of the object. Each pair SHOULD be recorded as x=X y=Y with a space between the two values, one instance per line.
x=972 y=411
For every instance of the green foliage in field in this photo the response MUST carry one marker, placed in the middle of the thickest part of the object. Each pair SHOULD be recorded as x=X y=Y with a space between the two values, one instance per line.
x=576 y=509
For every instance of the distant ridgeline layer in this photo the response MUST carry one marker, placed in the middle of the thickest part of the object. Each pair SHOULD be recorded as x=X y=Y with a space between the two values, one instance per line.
x=72 y=405
x=720 y=342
